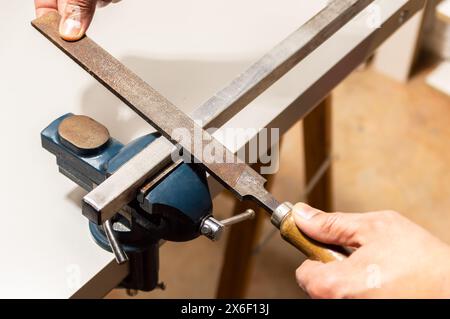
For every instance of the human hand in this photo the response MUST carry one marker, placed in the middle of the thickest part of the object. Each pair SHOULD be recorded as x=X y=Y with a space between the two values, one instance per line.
x=76 y=15
x=393 y=257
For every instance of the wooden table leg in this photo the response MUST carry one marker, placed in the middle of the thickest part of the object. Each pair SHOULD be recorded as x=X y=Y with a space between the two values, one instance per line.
x=238 y=260
x=242 y=239
x=317 y=141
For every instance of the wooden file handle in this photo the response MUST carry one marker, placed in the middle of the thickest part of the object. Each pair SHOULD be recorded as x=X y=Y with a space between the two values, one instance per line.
x=311 y=248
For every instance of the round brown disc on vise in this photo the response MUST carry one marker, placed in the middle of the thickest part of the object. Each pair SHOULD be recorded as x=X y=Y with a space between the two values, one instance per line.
x=83 y=134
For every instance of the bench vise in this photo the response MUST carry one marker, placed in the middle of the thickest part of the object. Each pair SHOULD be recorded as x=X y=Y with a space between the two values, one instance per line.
x=177 y=208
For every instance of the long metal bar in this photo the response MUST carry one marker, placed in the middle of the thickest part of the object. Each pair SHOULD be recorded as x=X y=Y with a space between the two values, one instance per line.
x=121 y=187
x=276 y=63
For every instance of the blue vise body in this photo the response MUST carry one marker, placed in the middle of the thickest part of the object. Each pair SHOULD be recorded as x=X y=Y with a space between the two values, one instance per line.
x=180 y=202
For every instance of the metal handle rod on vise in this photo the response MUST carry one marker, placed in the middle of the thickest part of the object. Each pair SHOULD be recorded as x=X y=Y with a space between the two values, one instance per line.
x=119 y=253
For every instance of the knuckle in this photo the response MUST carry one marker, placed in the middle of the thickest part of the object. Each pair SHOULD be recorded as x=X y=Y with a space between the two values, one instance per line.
x=302 y=272
x=328 y=287
x=388 y=216
x=330 y=223
x=336 y=229
x=379 y=221
x=300 y=281
x=305 y=274
x=355 y=235
x=391 y=214
x=377 y=225
x=83 y=4
x=316 y=291
x=299 y=276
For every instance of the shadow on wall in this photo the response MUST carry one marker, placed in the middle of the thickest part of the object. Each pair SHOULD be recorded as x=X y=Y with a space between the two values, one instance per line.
x=187 y=84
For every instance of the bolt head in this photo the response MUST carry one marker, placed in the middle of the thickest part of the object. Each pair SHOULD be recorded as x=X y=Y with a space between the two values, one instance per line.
x=206 y=230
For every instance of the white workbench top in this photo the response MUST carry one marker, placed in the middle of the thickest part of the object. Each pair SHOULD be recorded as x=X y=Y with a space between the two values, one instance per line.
x=45 y=240
x=187 y=50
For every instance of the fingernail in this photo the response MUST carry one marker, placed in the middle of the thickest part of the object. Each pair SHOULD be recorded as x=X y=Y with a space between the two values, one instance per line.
x=70 y=29
x=304 y=212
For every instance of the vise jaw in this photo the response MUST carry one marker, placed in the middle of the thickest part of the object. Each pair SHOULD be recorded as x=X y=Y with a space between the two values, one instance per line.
x=174 y=209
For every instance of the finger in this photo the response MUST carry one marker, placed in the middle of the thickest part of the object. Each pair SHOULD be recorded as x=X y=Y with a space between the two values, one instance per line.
x=337 y=228
x=103 y=3
x=305 y=273
x=45 y=6
x=76 y=18
x=323 y=281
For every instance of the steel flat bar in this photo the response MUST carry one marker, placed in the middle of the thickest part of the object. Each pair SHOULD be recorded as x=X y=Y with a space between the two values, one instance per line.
x=117 y=191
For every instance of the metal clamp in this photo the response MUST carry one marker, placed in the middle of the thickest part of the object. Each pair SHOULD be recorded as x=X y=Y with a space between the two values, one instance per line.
x=281 y=213
x=213 y=229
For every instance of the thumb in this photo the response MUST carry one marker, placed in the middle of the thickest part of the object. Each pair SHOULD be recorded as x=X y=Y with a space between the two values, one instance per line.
x=76 y=18
x=336 y=229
